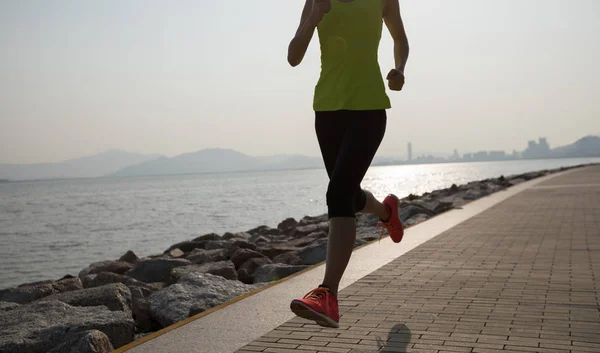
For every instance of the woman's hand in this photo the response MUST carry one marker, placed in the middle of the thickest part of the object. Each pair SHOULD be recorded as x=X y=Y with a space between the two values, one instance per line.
x=395 y=80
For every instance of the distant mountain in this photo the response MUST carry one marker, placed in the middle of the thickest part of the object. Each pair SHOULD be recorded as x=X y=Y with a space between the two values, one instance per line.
x=84 y=167
x=588 y=146
x=215 y=161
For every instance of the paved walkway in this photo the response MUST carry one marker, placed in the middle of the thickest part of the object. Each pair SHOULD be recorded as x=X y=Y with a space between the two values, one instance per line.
x=521 y=276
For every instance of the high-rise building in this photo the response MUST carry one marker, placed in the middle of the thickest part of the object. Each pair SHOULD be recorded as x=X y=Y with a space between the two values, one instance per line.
x=409 y=152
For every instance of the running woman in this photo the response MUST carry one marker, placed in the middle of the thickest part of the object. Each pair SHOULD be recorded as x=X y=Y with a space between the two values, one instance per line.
x=350 y=103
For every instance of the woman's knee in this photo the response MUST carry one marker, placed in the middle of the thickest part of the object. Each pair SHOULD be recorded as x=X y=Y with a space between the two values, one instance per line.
x=344 y=200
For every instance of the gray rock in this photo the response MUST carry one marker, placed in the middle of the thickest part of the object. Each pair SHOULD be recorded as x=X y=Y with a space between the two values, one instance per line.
x=313 y=220
x=35 y=284
x=516 y=181
x=196 y=309
x=119 y=267
x=265 y=231
x=187 y=246
x=237 y=244
x=6 y=306
x=155 y=270
x=140 y=309
x=302 y=231
x=173 y=304
x=246 y=271
x=243 y=255
x=242 y=235
x=68 y=284
x=115 y=296
x=367 y=220
x=130 y=257
x=200 y=256
x=287 y=224
x=274 y=272
x=207 y=237
x=24 y=295
x=416 y=219
x=313 y=253
x=92 y=341
x=261 y=240
x=288 y=258
x=218 y=244
x=42 y=326
x=224 y=269
x=273 y=251
x=175 y=253
x=406 y=211
x=435 y=206
x=475 y=193
x=308 y=239
x=104 y=278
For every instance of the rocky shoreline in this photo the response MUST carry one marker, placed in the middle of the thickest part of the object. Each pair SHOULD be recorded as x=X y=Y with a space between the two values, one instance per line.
x=114 y=302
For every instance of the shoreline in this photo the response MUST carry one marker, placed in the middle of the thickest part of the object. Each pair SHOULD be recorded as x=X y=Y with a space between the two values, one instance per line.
x=141 y=296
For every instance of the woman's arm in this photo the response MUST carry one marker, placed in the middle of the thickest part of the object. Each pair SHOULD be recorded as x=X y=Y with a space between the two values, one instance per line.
x=393 y=21
x=313 y=12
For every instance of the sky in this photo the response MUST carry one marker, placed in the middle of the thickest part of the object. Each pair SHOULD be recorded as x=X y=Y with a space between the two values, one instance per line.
x=148 y=76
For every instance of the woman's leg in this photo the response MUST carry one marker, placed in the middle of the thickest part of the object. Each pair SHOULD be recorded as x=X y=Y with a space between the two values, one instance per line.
x=355 y=154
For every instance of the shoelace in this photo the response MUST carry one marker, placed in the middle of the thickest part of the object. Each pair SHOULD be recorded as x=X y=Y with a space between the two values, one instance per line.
x=317 y=294
x=383 y=227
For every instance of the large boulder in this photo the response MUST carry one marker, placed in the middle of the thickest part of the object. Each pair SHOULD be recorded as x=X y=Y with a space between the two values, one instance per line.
x=116 y=297
x=242 y=235
x=92 y=341
x=224 y=269
x=140 y=309
x=273 y=251
x=173 y=304
x=130 y=257
x=6 y=306
x=406 y=211
x=175 y=253
x=243 y=255
x=435 y=206
x=246 y=272
x=104 y=278
x=119 y=267
x=287 y=225
x=187 y=246
x=239 y=244
x=313 y=253
x=274 y=272
x=207 y=237
x=264 y=231
x=416 y=219
x=218 y=244
x=307 y=239
x=304 y=230
x=42 y=326
x=24 y=295
x=313 y=220
x=200 y=256
x=68 y=284
x=288 y=258
x=155 y=270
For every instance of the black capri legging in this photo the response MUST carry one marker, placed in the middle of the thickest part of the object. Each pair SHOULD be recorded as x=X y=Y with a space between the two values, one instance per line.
x=348 y=142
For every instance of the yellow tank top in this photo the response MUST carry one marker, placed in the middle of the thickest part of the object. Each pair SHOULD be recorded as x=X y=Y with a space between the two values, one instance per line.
x=351 y=78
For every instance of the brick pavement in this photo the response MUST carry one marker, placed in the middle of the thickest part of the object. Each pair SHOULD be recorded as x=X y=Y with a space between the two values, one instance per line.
x=519 y=277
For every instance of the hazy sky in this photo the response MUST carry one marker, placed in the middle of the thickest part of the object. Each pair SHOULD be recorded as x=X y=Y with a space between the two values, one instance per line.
x=80 y=77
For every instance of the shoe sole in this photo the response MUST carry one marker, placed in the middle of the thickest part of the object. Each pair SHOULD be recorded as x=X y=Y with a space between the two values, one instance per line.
x=401 y=236
x=305 y=312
